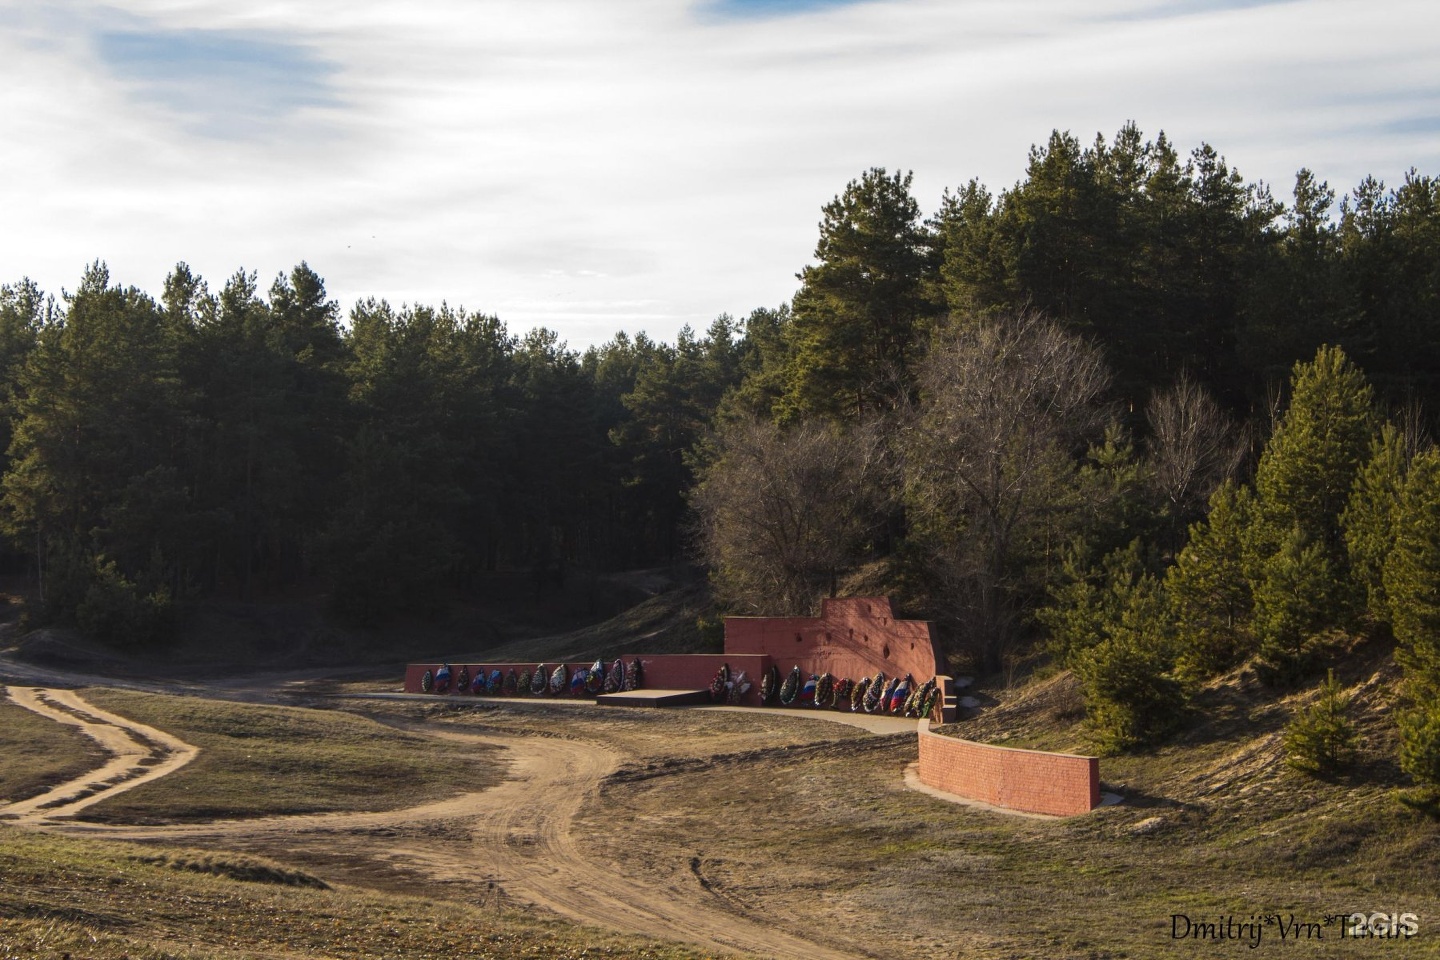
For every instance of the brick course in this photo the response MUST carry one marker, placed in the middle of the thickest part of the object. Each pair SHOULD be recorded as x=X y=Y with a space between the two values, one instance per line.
x=853 y=637
x=1061 y=784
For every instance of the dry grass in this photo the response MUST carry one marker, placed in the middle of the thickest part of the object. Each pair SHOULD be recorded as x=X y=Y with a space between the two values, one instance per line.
x=38 y=752
x=262 y=760
x=805 y=826
x=104 y=901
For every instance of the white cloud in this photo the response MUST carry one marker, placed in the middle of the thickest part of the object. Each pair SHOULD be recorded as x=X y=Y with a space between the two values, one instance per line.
x=593 y=164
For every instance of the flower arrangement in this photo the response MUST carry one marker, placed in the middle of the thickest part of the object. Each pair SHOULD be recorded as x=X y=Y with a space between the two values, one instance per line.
x=595 y=677
x=462 y=680
x=844 y=687
x=736 y=689
x=900 y=695
x=927 y=708
x=877 y=693
x=558 y=676
x=790 y=689
x=825 y=691
x=539 y=678
x=512 y=683
x=882 y=702
x=770 y=686
x=857 y=694
x=615 y=679
x=718 y=683
x=635 y=678
x=523 y=684
x=427 y=682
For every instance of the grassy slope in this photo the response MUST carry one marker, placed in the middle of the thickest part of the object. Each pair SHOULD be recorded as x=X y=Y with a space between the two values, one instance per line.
x=259 y=760
x=112 y=901
x=39 y=753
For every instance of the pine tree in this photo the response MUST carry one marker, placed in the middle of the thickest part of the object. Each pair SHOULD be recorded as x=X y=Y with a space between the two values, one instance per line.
x=1412 y=587
x=1209 y=593
x=1308 y=468
x=1132 y=694
x=1369 y=519
x=1298 y=596
x=862 y=306
x=1321 y=739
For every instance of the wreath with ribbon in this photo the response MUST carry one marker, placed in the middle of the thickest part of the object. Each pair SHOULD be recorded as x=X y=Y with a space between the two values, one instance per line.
x=635 y=678
x=495 y=685
x=462 y=680
x=539 y=678
x=442 y=679
x=825 y=691
x=917 y=699
x=427 y=682
x=595 y=677
x=477 y=686
x=769 y=685
x=522 y=685
x=718 y=682
x=512 y=683
x=790 y=689
x=882 y=701
x=857 y=694
x=877 y=693
x=928 y=707
x=843 y=688
x=900 y=695
x=557 y=678
x=736 y=689
x=615 y=679
x=577 y=681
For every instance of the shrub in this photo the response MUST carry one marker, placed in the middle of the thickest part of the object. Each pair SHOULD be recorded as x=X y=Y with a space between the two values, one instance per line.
x=1420 y=742
x=1321 y=739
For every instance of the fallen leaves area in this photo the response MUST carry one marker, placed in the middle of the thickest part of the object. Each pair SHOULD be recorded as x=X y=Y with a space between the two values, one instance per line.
x=101 y=900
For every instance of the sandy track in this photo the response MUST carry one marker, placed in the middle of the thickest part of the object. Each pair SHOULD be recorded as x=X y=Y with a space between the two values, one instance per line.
x=138 y=754
x=518 y=836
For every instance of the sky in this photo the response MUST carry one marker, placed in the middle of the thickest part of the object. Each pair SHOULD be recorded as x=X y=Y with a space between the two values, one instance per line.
x=595 y=166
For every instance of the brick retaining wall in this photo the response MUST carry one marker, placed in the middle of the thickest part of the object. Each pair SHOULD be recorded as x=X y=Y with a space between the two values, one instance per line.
x=853 y=637
x=1061 y=784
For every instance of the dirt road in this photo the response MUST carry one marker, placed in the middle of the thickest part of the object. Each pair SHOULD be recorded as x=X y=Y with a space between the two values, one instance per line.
x=138 y=754
x=519 y=836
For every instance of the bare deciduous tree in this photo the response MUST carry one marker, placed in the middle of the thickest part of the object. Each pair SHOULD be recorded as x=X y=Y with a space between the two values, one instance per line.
x=1194 y=447
x=1007 y=406
x=782 y=510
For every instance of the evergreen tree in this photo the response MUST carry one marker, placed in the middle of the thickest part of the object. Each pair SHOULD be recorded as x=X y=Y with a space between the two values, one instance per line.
x=1321 y=739
x=862 y=307
x=1412 y=588
x=1132 y=694
x=1369 y=518
x=1298 y=596
x=93 y=482
x=1307 y=470
x=1208 y=589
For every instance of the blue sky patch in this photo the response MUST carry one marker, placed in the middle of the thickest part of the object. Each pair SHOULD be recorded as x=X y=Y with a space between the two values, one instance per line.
x=756 y=9
x=1429 y=124
x=222 y=83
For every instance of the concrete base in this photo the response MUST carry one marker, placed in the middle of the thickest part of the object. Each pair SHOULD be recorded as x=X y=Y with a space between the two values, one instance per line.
x=653 y=698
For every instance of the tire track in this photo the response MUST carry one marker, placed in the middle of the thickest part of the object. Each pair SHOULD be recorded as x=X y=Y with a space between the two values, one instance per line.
x=518 y=836
x=138 y=754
